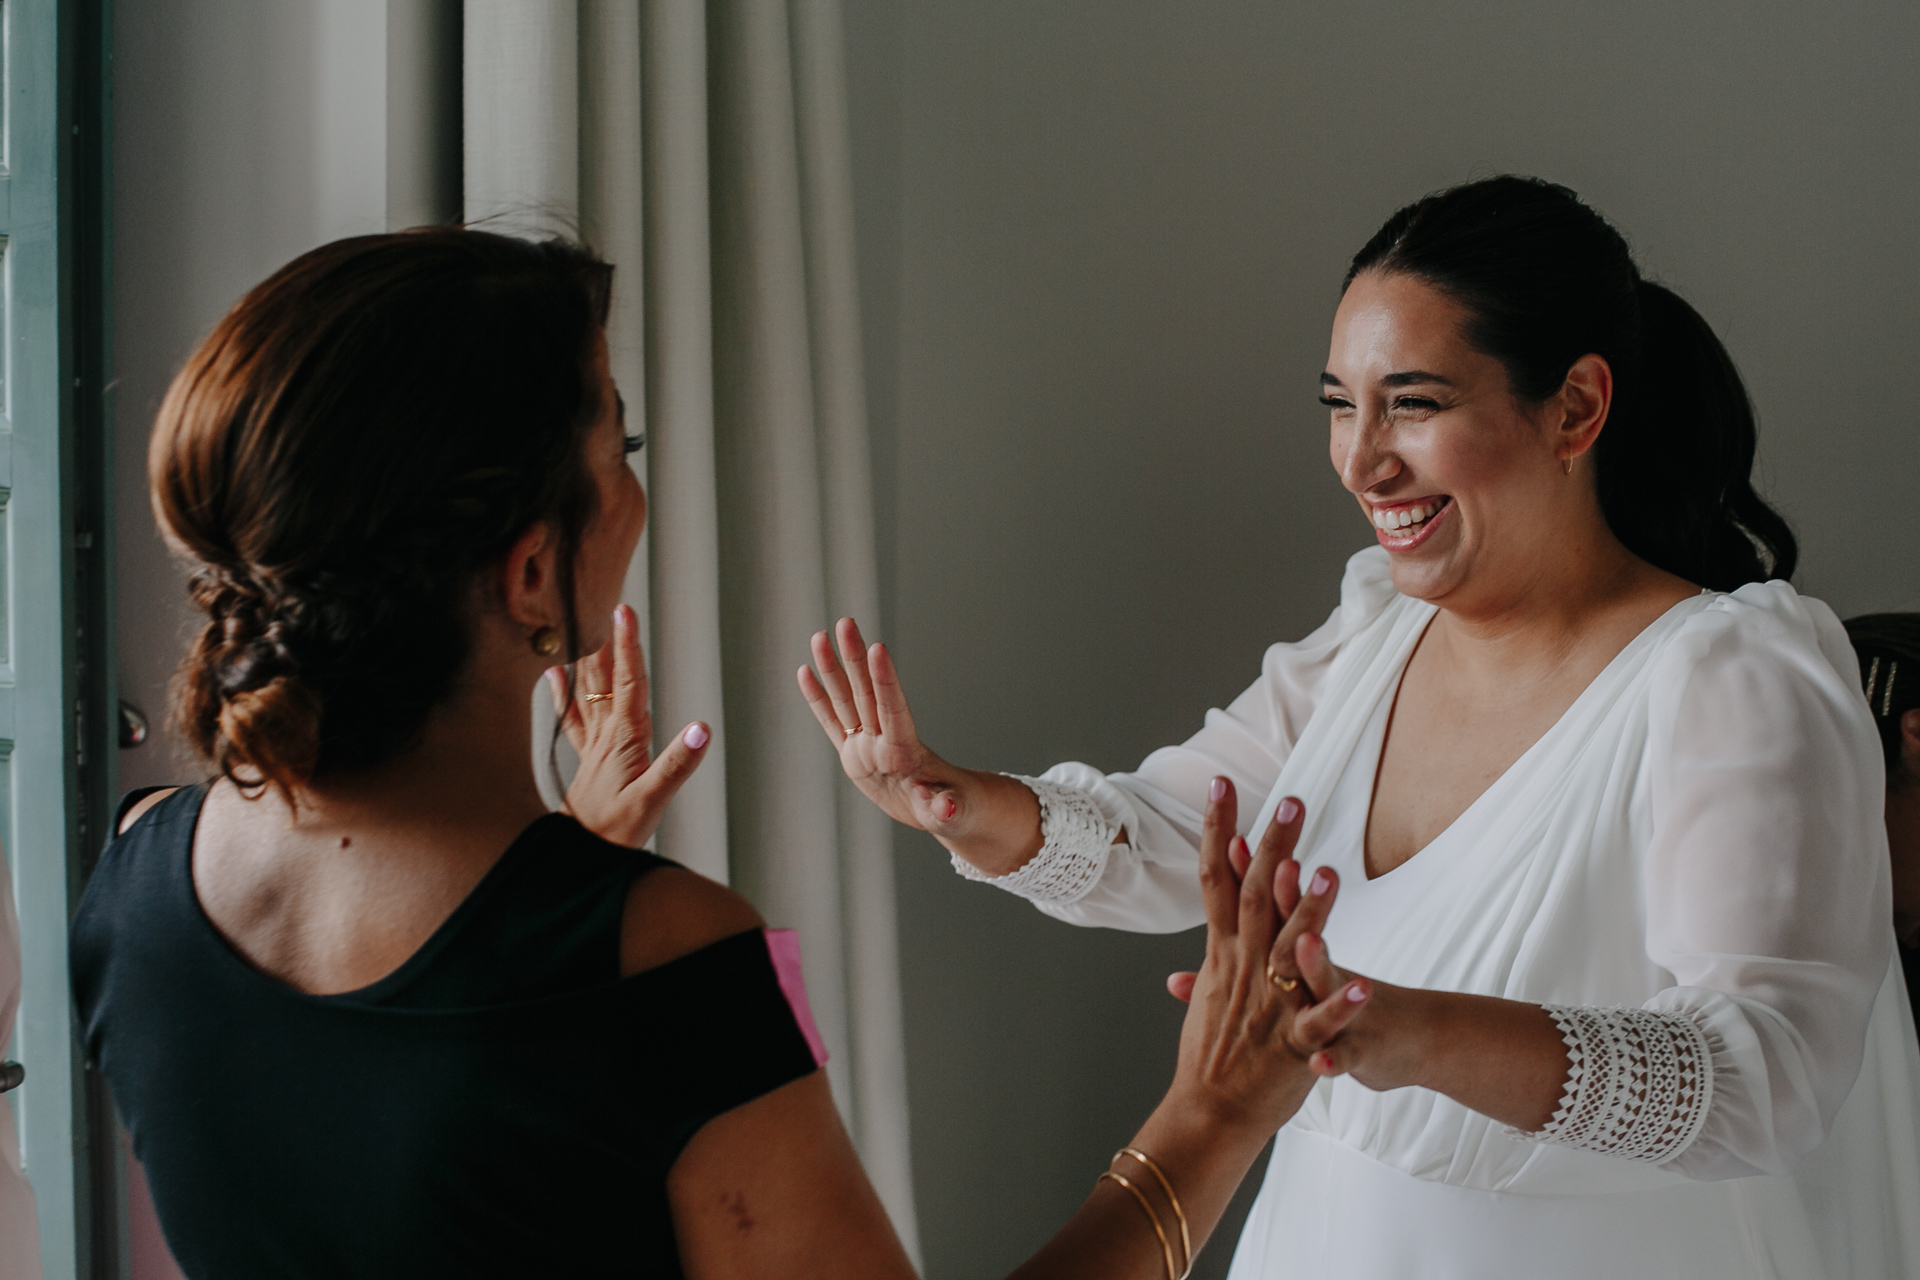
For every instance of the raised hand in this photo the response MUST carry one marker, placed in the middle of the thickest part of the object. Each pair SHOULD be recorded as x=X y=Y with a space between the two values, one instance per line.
x=621 y=791
x=1252 y=1029
x=857 y=698
x=1276 y=845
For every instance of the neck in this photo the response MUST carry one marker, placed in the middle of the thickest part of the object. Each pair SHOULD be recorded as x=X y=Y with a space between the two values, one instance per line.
x=470 y=771
x=1541 y=602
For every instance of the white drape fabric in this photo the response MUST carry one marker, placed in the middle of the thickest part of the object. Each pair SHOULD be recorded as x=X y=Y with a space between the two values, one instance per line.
x=703 y=148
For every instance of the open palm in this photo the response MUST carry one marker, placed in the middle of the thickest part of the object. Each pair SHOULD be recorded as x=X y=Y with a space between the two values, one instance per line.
x=857 y=698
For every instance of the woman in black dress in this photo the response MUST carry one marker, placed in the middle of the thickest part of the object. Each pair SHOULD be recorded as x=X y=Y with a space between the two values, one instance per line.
x=367 y=1007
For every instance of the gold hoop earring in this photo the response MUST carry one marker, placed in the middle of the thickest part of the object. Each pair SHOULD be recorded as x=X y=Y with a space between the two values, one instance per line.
x=1568 y=464
x=546 y=642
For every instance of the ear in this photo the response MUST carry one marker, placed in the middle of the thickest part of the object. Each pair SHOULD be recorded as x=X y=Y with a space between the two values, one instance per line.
x=529 y=584
x=1586 y=399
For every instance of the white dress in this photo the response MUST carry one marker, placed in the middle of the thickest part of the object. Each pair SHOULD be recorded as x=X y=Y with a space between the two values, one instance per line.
x=1689 y=870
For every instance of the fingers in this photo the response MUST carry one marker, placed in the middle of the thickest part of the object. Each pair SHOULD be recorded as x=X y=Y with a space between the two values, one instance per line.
x=822 y=706
x=896 y=721
x=834 y=680
x=1280 y=837
x=1239 y=856
x=1286 y=888
x=1315 y=962
x=1309 y=917
x=937 y=807
x=1283 y=832
x=1319 y=1027
x=853 y=655
x=1219 y=884
x=593 y=674
x=1180 y=985
x=664 y=778
x=629 y=676
x=1259 y=910
x=566 y=708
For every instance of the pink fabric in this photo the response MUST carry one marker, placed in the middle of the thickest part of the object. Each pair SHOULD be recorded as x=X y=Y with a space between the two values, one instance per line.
x=145 y=1243
x=783 y=945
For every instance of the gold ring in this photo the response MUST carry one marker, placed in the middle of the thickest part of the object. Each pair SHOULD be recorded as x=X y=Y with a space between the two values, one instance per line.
x=595 y=697
x=1285 y=984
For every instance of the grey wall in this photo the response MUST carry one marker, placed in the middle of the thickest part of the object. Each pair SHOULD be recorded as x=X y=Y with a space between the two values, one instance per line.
x=1101 y=246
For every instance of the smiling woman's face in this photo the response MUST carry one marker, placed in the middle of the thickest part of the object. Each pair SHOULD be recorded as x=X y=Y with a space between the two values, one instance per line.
x=1459 y=477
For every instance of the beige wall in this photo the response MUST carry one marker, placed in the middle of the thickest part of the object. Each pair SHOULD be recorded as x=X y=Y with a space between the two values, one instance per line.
x=1102 y=241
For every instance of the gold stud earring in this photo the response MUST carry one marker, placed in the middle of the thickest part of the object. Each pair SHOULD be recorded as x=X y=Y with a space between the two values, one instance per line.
x=546 y=642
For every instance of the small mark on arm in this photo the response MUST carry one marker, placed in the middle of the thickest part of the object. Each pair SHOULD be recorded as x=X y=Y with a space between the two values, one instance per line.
x=735 y=1204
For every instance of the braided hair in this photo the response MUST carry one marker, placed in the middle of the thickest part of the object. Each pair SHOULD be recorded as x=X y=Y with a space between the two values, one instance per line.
x=338 y=463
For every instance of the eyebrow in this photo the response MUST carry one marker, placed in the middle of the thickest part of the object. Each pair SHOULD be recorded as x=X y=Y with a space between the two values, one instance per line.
x=1408 y=378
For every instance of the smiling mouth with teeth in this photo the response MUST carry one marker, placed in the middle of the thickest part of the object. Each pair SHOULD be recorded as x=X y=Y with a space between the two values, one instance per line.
x=1398 y=524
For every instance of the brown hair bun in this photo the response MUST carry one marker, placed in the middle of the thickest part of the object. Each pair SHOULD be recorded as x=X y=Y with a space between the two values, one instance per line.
x=339 y=460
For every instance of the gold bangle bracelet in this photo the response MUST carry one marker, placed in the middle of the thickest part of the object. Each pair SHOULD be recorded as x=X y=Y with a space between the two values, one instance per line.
x=1166 y=1249
x=1180 y=1214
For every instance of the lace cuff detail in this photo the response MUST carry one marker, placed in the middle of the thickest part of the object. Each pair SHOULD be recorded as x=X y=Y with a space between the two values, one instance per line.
x=1639 y=1083
x=1073 y=850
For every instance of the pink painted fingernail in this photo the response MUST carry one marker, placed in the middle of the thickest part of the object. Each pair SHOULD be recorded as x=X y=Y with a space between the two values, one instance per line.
x=1289 y=810
x=696 y=736
x=1321 y=882
x=1355 y=994
x=1217 y=790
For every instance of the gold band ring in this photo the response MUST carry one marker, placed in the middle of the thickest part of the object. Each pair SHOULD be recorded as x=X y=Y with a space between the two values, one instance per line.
x=1285 y=984
x=595 y=697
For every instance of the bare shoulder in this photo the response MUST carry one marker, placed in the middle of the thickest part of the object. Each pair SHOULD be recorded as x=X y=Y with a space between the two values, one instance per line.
x=147 y=802
x=674 y=912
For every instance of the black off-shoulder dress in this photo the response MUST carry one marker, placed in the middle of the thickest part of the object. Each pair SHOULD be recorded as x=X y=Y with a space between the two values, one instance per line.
x=503 y=1104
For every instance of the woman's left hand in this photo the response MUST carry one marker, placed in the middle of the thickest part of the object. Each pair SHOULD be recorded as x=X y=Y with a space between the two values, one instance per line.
x=1386 y=1046
x=621 y=791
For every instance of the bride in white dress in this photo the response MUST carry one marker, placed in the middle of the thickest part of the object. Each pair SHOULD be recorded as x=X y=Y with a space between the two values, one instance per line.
x=1600 y=788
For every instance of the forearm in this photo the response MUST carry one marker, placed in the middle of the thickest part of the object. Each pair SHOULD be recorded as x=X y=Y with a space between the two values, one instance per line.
x=1204 y=1157
x=1503 y=1058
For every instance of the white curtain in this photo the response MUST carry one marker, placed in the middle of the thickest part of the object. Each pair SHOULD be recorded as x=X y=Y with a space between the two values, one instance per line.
x=703 y=148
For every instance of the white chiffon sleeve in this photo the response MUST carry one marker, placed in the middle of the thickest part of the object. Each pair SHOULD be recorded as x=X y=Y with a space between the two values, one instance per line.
x=1134 y=864
x=1767 y=897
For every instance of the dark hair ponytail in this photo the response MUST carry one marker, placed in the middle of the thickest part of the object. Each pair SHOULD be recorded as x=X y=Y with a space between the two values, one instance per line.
x=1545 y=280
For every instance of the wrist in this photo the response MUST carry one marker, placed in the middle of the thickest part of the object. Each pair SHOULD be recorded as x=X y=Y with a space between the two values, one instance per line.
x=1424 y=1020
x=1194 y=1118
x=998 y=828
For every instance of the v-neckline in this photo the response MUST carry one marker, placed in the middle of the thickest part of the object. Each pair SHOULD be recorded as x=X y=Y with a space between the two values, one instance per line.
x=1546 y=735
